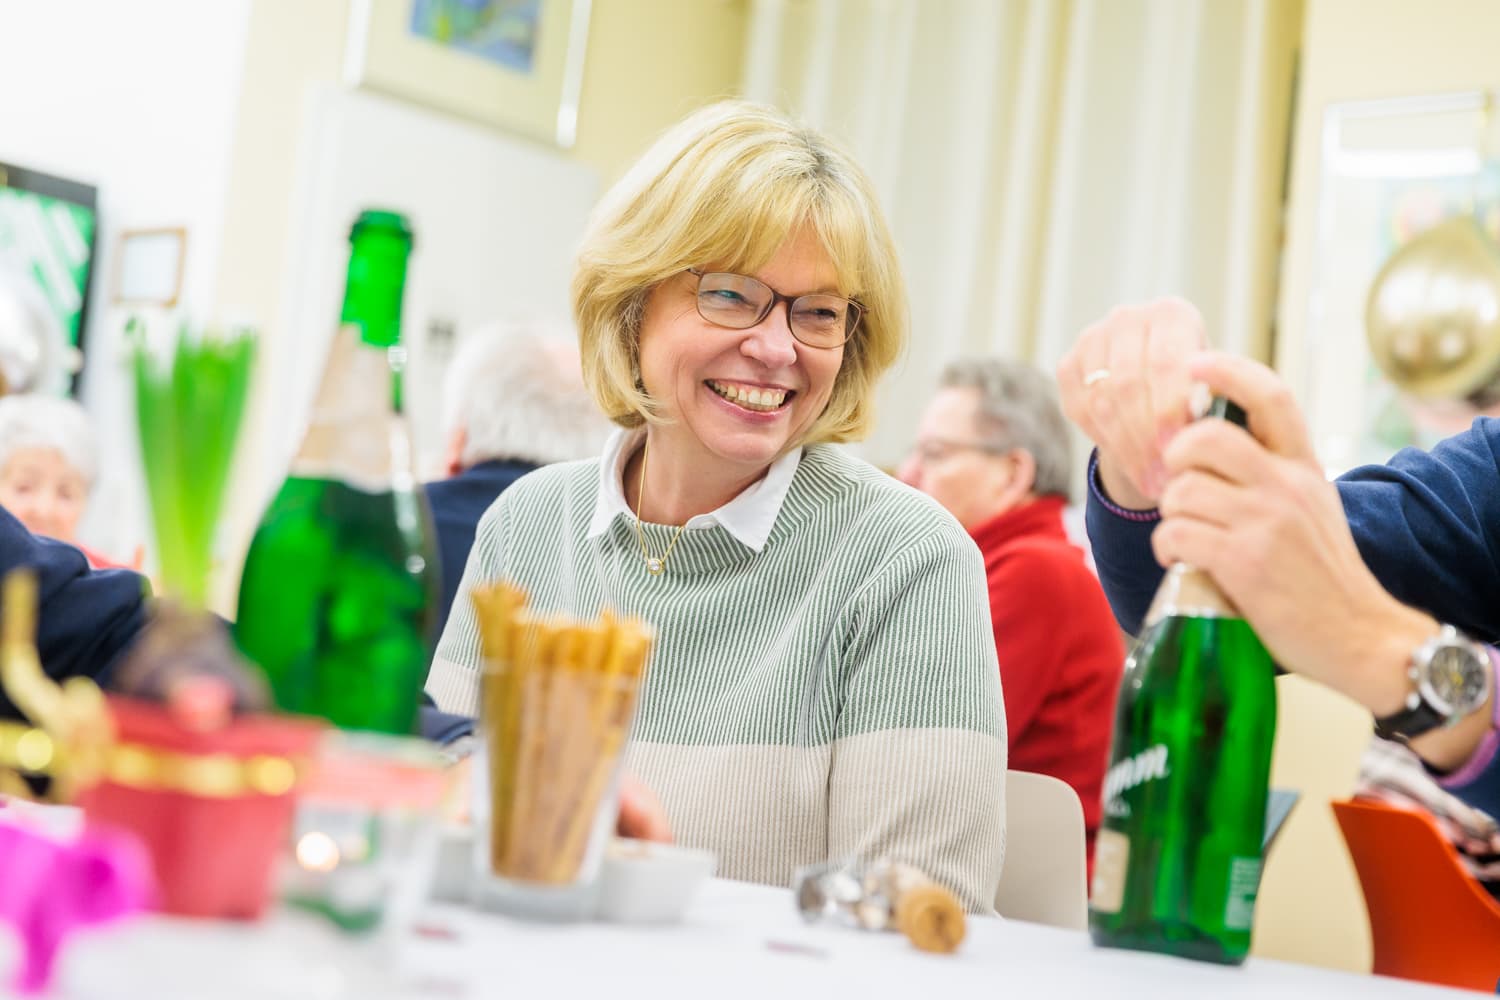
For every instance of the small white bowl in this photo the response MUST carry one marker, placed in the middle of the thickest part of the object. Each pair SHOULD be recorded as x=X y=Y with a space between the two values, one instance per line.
x=453 y=874
x=648 y=883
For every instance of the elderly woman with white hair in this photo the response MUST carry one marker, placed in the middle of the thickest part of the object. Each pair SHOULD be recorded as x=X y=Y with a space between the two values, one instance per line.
x=47 y=467
x=823 y=684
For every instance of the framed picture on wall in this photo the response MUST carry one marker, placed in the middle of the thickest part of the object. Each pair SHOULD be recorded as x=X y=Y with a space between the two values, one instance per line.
x=48 y=231
x=148 y=267
x=515 y=65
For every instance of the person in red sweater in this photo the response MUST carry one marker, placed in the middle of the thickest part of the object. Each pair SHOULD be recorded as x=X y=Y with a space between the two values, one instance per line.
x=993 y=448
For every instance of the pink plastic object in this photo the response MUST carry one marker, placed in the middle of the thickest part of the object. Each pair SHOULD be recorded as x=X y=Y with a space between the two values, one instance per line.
x=51 y=888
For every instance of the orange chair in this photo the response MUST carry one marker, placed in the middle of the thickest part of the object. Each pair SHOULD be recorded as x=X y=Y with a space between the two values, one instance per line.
x=1428 y=919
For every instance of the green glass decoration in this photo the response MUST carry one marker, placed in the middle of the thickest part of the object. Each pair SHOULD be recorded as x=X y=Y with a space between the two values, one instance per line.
x=189 y=399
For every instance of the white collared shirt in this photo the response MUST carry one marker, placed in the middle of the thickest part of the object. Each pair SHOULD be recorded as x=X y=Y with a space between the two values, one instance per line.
x=748 y=518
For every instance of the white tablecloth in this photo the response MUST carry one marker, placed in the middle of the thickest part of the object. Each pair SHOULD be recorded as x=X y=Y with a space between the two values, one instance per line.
x=737 y=941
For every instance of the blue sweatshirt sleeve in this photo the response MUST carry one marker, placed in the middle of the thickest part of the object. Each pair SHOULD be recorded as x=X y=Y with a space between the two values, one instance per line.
x=1426 y=525
x=442 y=727
x=86 y=618
x=1121 y=543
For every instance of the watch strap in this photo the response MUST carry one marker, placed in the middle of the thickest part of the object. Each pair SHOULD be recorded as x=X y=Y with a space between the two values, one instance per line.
x=1410 y=722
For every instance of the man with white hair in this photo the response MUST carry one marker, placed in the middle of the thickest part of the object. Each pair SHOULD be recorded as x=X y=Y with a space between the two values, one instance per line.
x=994 y=449
x=514 y=400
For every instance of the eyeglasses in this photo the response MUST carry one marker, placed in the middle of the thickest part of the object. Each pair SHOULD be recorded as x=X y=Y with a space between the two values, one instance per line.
x=936 y=450
x=738 y=302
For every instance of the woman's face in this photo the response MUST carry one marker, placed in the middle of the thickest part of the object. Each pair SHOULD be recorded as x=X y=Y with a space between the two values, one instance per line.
x=699 y=373
x=44 y=492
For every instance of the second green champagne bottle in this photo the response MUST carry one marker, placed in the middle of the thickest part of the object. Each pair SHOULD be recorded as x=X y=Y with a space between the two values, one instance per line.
x=1177 y=860
x=338 y=594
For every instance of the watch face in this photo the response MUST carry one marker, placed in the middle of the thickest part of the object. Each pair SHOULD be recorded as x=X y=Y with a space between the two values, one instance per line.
x=1457 y=680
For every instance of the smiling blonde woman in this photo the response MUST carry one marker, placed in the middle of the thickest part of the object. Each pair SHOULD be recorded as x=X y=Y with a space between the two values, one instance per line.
x=824 y=681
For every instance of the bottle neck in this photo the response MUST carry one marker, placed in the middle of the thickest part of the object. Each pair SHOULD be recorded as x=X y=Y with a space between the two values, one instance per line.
x=356 y=434
x=374 y=286
x=1188 y=592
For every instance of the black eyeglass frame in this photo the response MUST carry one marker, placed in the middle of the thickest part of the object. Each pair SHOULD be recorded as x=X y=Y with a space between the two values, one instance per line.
x=851 y=323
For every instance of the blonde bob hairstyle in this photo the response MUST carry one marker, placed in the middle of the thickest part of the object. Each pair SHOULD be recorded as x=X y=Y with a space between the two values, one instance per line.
x=726 y=188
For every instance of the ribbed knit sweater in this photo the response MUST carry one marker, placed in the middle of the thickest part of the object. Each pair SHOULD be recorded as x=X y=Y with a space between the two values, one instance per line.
x=833 y=696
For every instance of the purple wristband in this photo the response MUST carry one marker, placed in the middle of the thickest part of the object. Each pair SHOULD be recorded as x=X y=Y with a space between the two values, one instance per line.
x=1097 y=488
x=1484 y=754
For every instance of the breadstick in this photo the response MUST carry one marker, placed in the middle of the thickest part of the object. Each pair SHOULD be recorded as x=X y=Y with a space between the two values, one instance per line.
x=557 y=699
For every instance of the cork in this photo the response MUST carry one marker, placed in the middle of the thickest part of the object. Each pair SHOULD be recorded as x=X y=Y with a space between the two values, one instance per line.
x=931 y=918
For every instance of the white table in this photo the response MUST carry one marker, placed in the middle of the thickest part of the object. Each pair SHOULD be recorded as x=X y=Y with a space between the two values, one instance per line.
x=738 y=941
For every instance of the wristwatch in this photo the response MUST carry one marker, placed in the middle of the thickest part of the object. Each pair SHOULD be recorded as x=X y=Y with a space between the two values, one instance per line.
x=1451 y=677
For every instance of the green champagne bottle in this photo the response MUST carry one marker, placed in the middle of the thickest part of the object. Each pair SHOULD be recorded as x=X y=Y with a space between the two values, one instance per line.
x=1177 y=860
x=339 y=588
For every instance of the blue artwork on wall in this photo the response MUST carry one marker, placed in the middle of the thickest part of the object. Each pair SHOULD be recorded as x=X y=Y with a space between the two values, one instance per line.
x=501 y=31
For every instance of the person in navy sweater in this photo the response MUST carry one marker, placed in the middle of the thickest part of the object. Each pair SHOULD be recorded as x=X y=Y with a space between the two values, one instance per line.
x=1380 y=585
x=993 y=448
x=86 y=618
x=514 y=400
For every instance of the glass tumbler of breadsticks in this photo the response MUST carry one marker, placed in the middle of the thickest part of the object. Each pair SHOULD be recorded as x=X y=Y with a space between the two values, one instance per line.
x=557 y=698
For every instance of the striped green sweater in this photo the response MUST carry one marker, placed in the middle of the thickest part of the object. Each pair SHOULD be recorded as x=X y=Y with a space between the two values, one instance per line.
x=835 y=695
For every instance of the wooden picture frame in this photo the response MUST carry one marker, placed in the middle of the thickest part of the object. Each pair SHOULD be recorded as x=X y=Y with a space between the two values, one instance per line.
x=148 y=266
x=525 y=76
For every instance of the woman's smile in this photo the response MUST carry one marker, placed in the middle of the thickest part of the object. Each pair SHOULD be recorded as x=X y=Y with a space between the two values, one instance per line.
x=752 y=396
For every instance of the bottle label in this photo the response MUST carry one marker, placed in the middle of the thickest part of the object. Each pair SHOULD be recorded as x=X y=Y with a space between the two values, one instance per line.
x=1148 y=765
x=1188 y=592
x=353 y=435
x=1244 y=883
x=1111 y=860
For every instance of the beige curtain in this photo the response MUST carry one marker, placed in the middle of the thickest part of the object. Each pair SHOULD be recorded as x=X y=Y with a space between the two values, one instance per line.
x=1042 y=160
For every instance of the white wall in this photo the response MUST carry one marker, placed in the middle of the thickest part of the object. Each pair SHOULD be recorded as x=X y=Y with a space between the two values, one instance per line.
x=138 y=99
x=496 y=222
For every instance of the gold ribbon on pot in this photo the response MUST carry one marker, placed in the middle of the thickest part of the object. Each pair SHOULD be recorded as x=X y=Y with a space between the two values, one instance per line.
x=70 y=729
x=70 y=736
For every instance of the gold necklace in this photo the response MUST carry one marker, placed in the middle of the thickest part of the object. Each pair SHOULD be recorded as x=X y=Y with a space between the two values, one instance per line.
x=654 y=566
